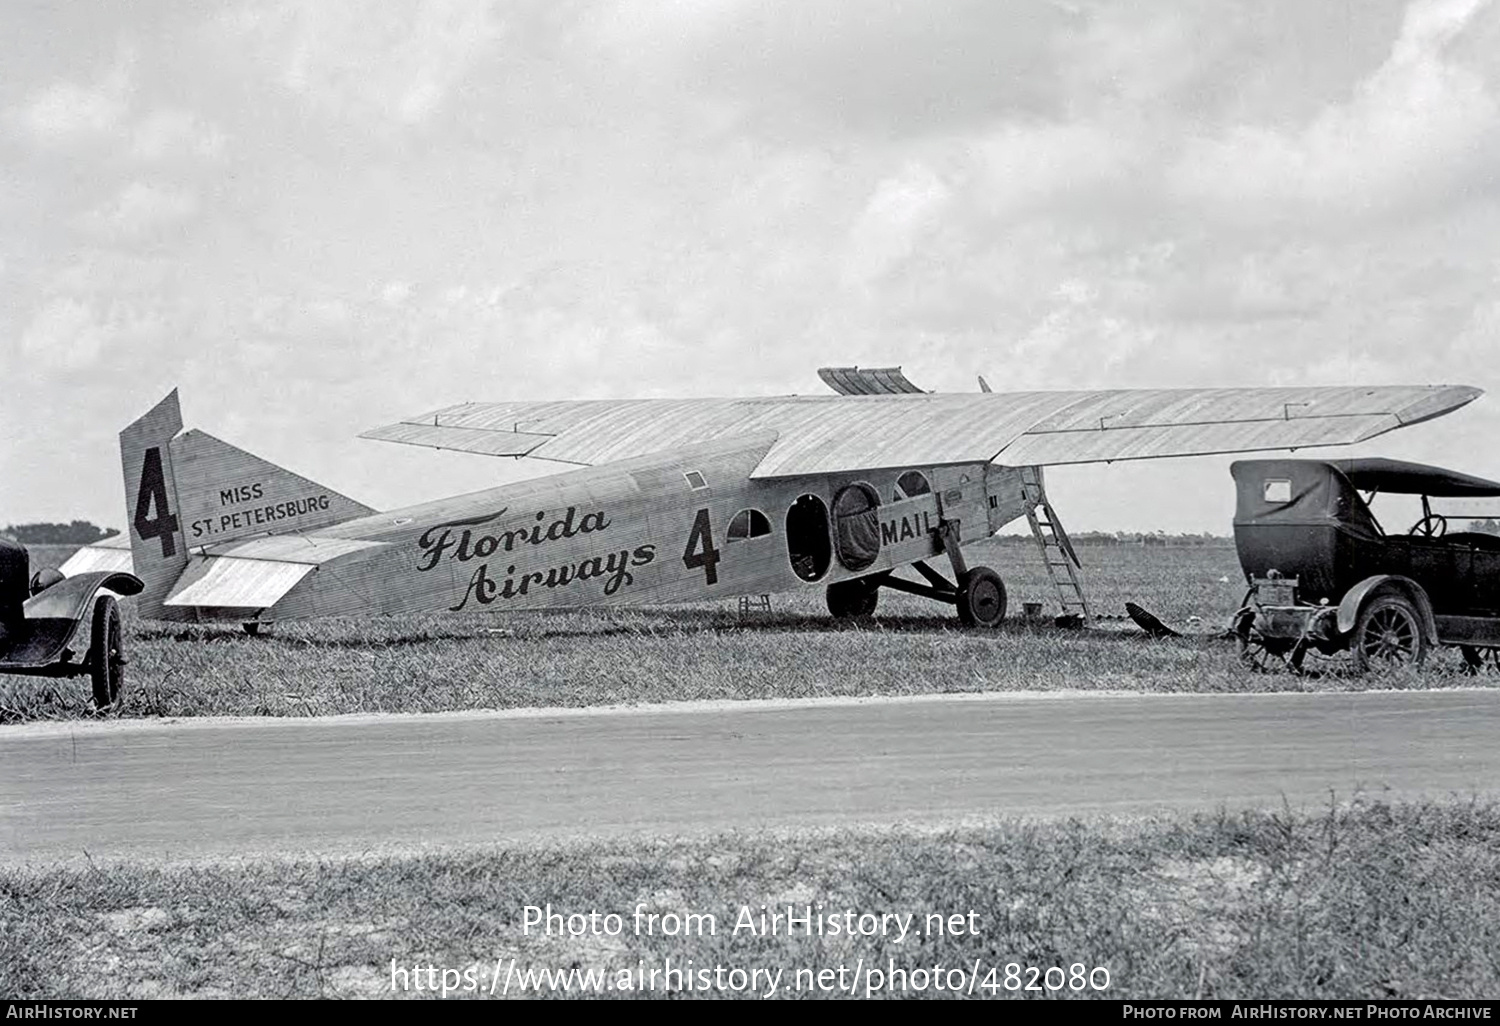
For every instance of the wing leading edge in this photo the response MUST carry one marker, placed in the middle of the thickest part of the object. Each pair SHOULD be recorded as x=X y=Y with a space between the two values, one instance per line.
x=845 y=433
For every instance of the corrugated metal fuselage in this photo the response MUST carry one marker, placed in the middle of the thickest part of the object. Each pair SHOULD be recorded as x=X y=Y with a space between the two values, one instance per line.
x=685 y=527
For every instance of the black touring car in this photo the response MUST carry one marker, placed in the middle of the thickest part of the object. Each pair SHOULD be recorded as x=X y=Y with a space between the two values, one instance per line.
x=40 y=615
x=1325 y=576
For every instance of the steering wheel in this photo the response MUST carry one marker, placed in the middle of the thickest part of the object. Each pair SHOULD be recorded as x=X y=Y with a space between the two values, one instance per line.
x=1433 y=525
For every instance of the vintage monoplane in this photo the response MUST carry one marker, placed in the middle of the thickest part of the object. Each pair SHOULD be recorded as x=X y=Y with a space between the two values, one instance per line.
x=687 y=500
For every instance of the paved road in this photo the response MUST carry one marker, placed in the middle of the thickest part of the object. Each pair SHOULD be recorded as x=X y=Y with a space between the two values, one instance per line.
x=191 y=790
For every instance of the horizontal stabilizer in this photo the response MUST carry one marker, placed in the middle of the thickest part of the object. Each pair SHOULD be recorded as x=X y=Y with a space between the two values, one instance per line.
x=236 y=583
x=256 y=573
x=112 y=555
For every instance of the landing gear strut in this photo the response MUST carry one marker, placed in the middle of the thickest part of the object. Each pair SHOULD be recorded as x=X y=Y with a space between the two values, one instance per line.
x=979 y=595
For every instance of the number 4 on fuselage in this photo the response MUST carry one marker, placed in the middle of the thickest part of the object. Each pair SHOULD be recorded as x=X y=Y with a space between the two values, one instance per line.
x=879 y=486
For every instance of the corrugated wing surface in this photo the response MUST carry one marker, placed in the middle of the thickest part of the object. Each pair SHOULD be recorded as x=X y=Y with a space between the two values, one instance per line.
x=830 y=434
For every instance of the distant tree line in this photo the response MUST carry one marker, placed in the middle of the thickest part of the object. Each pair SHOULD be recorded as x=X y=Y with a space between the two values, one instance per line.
x=1149 y=538
x=79 y=532
x=1136 y=538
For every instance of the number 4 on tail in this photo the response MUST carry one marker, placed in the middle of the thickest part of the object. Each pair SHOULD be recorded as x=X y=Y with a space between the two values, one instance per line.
x=152 y=499
x=700 y=549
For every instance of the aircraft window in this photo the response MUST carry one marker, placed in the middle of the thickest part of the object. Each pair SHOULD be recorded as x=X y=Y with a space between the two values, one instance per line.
x=911 y=484
x=1278 y=490
x=808 y=544
x=748 y=523
x=695 y=480
x=857 y=526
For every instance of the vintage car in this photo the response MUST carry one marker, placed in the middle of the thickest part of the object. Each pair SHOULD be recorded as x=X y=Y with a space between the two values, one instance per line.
x=40 y=615
x=1325 y=576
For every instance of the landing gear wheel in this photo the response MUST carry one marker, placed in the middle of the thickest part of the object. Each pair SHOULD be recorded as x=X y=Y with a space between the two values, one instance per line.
x=851 y=600
x=1388 y=635
x=981 y=598
x=106 y=658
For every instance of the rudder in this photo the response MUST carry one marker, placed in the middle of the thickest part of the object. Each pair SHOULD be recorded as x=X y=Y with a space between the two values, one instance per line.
x=188 y=489
x=158 y=551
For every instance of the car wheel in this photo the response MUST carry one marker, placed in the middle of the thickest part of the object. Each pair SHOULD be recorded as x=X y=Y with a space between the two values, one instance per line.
x=1480 y=660
x=849 y=600
x=1388 y=635
x=106 y=659
x=1256 y=653
x=981 y=598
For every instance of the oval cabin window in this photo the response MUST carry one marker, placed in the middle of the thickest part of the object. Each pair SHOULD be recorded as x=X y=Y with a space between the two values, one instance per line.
x=856 y=526
x=807 y=543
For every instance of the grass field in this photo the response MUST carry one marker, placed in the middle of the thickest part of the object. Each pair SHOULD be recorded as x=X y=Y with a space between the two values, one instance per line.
x=464 y=661
x=1366 y=900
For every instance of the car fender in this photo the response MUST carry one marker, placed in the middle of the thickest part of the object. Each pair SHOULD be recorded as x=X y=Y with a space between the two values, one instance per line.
x=1355 y=598
x=54 y=615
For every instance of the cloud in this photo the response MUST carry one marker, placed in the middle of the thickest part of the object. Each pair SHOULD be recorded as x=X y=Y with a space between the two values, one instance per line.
x=892 y=222
x=173 y=133
x=66 y=113
x=139 y=208
x=589 y=198
x=394 y=59
x=1417 y=133
x=63 y=335
x=821 y=66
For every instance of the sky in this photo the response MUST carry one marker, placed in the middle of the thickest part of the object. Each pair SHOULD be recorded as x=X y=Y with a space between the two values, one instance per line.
x=315 y=218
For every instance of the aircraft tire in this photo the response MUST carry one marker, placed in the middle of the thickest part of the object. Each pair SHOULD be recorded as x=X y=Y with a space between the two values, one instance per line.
x=981 y=598
x=106 y=653
x=853 y=600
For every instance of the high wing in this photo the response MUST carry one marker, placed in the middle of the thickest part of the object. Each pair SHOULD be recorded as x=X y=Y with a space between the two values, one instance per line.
x=845 y=433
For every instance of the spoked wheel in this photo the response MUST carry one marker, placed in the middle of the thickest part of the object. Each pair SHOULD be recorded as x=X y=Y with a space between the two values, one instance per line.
x=106 y=659
x=1388 y=635
x=981 y=598
x=1257 y=653
x=850 y=600
x=1481 y=660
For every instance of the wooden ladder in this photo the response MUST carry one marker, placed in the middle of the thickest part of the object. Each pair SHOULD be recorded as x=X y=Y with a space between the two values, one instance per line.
x=1057 y=550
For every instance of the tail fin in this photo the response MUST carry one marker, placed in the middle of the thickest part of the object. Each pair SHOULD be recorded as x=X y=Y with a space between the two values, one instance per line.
x=189 y=489
x=157 y=549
